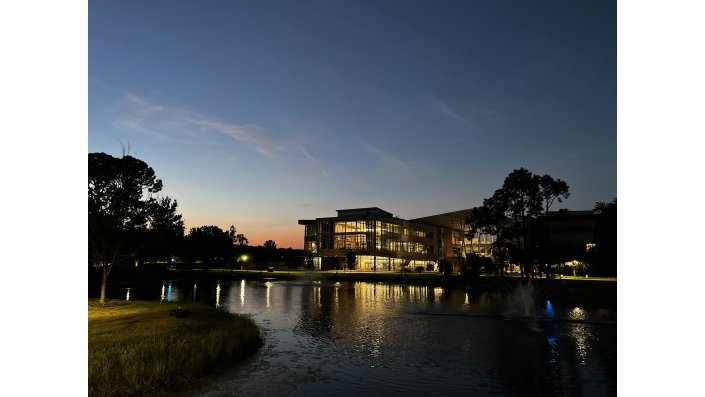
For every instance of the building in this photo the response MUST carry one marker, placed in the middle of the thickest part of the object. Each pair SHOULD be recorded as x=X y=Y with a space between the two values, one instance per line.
x=382 y=241
x=571 y=230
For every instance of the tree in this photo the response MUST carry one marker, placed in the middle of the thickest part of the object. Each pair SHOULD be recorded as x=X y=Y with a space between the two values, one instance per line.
x=270 y=249
x=551 y=190
x=309 y=262
x=351 y=260
x=122 y=211
x=165 y=229
x=521 y=198
x=238 y=239
x=445 y=267
x=210 y=244
x=604 y=254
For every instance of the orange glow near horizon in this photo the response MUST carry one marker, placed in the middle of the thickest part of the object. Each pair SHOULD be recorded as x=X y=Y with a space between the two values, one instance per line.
x=286 y=236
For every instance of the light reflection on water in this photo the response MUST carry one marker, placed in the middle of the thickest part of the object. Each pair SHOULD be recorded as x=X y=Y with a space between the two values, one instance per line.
x=242 y=293
x=217 y=295
x=346 y=338
x=170 y=292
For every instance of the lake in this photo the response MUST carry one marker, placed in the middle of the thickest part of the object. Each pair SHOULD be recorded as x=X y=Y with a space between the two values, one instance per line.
x=354 y=338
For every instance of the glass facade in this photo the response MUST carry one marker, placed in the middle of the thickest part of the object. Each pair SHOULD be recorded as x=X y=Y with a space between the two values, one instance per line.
x=383 y=242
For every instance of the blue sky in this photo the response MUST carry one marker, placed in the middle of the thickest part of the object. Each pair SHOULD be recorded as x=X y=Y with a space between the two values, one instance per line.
x=261 y=113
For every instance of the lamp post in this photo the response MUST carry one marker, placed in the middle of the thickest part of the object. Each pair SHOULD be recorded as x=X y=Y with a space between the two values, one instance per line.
x=243 y=259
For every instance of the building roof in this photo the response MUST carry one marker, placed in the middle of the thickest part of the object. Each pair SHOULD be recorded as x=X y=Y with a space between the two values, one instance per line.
x=374 y=211
x=452 y=220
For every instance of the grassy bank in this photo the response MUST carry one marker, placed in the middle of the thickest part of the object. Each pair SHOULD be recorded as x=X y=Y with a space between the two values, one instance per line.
x=137 y=348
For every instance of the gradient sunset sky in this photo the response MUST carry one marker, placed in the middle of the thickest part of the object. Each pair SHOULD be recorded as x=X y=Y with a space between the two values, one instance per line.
x=260 y=113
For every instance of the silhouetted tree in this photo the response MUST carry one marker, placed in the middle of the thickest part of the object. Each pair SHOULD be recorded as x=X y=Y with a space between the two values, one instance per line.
x=270 y=251
x=210 y=244
x=238 y=239
x=521 y=198
x=604 y=255
x=165 y=230
x=124 y=216
x=351 y=260
x=445 y=267
x=270 y=245
x=552 y=190
x=309 y=262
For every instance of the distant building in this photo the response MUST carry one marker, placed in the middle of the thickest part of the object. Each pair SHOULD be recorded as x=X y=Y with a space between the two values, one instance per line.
x=382 y=241
x=570 y=230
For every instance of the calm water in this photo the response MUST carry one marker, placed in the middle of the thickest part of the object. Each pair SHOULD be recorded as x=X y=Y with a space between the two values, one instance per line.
x=356 y=338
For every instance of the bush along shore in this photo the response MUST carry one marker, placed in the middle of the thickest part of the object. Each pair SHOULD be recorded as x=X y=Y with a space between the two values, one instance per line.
x=139 y=347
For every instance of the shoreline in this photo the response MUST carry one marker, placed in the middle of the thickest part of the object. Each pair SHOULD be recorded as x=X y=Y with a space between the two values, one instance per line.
x=598 y=291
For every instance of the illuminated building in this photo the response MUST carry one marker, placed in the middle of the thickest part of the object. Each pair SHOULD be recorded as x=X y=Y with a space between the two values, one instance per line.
x=382 y=241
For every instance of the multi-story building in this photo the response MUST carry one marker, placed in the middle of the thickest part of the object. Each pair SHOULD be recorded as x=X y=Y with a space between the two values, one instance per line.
x=382 y=241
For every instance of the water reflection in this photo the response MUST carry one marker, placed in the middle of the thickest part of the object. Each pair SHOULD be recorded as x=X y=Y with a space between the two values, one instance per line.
x=549 y=312
x=194 y=291
x=242 y=293
x=169 y=292
x=347 y=338
x=127 y=298
x=217 y=295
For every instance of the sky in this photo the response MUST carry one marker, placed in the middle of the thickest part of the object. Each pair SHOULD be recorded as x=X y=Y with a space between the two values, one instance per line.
x=261 y=113
x=62 y=96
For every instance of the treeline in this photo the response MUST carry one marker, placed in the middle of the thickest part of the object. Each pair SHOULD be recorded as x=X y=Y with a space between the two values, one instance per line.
x=129 y=222
x=208 y=247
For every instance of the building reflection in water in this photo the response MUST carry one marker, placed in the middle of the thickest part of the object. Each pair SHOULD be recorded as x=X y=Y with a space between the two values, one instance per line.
x=380 y=325
x=378 y=328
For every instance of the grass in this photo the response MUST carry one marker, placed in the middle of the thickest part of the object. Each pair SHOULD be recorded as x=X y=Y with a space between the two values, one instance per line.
x=138 y=348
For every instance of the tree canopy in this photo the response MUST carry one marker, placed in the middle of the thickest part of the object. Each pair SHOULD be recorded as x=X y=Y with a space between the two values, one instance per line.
x=507 y=213
x=125 y=215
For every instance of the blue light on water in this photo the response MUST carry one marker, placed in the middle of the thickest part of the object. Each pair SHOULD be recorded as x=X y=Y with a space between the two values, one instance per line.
x=549 y=312
x=168 y=293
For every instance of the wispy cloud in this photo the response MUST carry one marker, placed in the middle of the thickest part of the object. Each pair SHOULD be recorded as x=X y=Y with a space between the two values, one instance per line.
x=467 y=116
x=135 y=111
x=315 y=162
x=445 y=109
x=144 y=116
x=251 y=135
x=383 y=156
